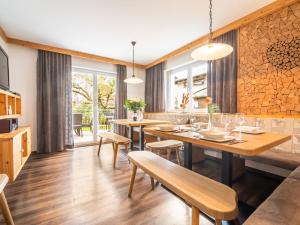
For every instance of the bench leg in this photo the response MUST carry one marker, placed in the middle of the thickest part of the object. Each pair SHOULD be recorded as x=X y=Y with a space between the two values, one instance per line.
x=218 y=222
x=132 y=180
x=152 y=183
x=169 y=154
x=100 y=143
x=126 y=148
x=178 y=156
x=115 y=154
x=5 y=210
x=195 y=216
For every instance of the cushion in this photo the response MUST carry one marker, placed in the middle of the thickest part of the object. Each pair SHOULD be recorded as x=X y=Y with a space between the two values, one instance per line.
x=282 y=207
x=285 y=160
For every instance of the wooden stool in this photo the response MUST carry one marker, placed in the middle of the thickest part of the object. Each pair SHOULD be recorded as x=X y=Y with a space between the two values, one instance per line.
x=116 y=141
x=3 y=203
x=168 y=145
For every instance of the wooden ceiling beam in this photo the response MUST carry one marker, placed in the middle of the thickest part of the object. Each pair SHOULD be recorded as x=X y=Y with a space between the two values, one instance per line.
x=264 y=11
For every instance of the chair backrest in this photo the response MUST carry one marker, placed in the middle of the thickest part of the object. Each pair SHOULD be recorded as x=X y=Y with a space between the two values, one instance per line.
x=77 y=119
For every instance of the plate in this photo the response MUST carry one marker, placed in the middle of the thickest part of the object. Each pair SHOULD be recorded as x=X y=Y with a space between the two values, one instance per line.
x=221 y=140
x=212 y=134
x=247 y=130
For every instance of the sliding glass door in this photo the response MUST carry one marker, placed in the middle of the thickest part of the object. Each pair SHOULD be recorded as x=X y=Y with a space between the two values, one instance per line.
x=93 y=102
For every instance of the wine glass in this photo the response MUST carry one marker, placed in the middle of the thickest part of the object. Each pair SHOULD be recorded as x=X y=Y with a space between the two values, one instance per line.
x=240 y=120
x=225 y=121
x=179 y=121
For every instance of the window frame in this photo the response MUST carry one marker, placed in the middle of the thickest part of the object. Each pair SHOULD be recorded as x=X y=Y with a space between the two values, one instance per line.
x=94 y=73
x=188 y=67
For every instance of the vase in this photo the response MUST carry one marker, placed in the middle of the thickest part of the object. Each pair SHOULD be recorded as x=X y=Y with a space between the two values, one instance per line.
x=209 y=123
x=135 y=116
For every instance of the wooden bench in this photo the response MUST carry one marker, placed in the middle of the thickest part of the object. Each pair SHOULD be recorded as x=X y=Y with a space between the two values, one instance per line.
x=203 y=194
x=282 y=206
x=3 y=203
x=116 y=140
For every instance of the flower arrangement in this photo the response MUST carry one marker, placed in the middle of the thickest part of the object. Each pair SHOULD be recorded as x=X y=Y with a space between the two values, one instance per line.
x=134 y=104
x=211 y=108
x=185 y=100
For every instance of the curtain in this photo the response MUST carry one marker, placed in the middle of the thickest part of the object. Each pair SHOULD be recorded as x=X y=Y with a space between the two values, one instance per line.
x=154 y=89
x=222 y=76
x=121 y=95
x=54 y=102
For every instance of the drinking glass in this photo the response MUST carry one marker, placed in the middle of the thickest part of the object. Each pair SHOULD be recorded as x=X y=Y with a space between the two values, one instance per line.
x=179 y=121
x=240 y=120
x=225 y=121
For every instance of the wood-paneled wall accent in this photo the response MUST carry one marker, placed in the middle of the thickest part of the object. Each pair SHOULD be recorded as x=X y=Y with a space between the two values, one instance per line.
x=266 y=87
x=264 y=11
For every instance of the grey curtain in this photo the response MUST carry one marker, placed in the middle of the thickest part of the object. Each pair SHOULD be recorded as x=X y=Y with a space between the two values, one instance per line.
x=222 y=76
x=54 y=102
x=121 y=95
x=154 y=89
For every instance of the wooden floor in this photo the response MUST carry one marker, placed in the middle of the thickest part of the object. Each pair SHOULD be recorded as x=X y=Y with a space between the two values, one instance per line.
x=77 y=187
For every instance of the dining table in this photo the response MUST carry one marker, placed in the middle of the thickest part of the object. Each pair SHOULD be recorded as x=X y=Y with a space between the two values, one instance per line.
x=140 y=124
x=252 y=145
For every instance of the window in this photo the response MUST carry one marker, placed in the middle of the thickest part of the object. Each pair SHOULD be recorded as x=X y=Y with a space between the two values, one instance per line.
x=93 y=103
x=190 y=79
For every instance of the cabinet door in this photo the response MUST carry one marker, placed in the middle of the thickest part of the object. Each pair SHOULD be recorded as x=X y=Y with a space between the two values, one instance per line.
x=17 y=154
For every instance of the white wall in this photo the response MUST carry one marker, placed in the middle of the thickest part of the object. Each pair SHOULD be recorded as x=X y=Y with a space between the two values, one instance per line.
x=22 y=66
x=22 y=69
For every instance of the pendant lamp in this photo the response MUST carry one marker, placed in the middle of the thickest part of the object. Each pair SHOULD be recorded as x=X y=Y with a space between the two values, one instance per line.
x=212 y=50
x=133 y=79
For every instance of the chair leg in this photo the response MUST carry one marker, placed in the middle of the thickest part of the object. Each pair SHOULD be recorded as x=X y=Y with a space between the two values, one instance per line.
x=195 y=216
x=178 y=156
x=152 y=183
x=5 y=210
x=132 y=180
x=168 y=154
x=100 y=143
x=115 y=154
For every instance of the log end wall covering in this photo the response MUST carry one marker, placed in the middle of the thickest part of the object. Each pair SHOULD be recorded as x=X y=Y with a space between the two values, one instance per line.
x=269 y=70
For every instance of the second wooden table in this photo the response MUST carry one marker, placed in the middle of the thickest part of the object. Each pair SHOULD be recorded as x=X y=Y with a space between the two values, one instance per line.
x=141 y=124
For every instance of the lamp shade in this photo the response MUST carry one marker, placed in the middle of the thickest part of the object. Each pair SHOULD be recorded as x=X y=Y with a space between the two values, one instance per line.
x=133 y=80
x=212 y=51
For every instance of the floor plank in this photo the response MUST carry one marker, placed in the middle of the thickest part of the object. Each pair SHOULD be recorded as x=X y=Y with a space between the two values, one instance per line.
x=77 y=187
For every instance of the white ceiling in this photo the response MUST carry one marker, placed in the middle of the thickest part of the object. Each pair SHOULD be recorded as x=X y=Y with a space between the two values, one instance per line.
x=106 y=27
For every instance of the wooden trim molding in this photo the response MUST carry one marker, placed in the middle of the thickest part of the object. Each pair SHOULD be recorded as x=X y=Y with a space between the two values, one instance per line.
x=84 y=55
x=264 y=11
x=3 y=34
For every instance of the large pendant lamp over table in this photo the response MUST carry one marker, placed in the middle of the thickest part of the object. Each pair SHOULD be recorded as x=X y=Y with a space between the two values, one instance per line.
x=211 y=50
x=133 y=79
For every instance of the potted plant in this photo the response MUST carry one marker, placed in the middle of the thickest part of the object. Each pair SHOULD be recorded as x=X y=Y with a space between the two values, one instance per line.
x=134 y=105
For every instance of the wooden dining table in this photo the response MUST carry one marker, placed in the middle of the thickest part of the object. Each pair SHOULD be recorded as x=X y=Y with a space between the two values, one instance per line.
x=253 y=145
x=139 y=123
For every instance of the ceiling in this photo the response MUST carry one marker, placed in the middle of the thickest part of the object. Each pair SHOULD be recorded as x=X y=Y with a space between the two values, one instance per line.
x=106 y=27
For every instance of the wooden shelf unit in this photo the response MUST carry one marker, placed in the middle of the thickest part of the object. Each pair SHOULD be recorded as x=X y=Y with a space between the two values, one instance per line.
x=15 y=148
x=10 y=105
